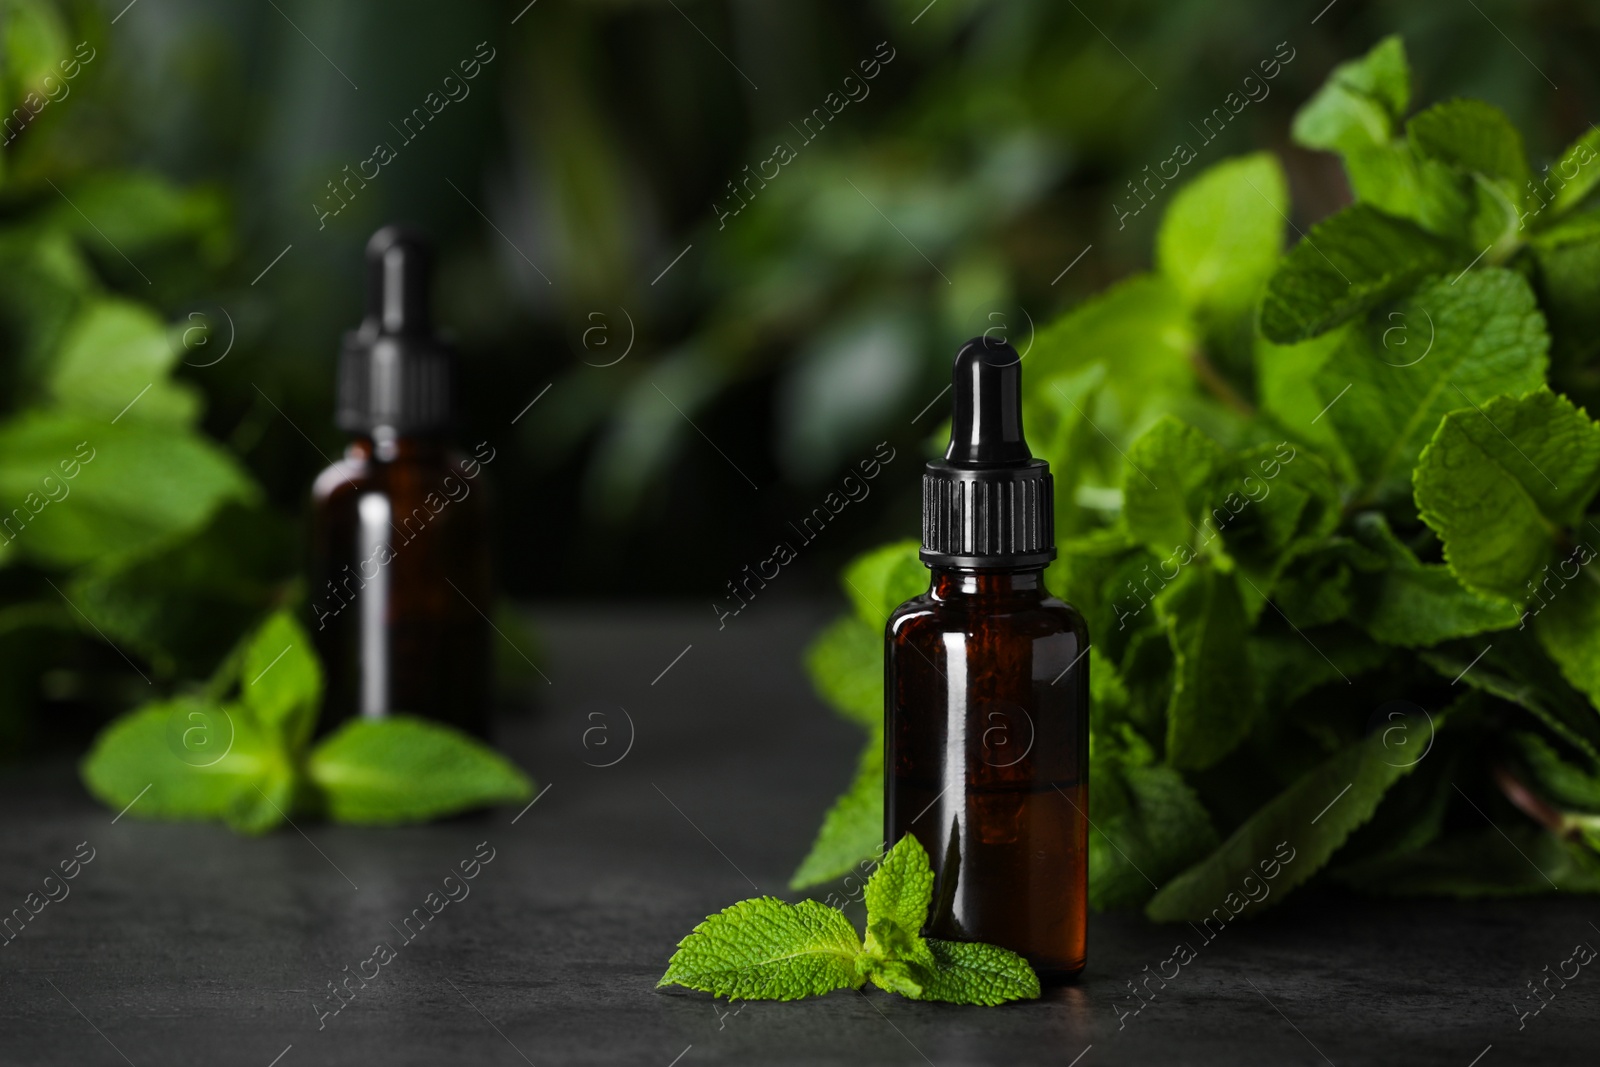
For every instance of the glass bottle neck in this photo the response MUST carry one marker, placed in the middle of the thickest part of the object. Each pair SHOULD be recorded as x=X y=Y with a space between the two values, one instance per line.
x=388 y=446
x=950 y=583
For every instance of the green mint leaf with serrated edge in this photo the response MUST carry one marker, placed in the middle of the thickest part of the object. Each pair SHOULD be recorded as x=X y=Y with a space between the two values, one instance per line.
x=897 y=896
x=1450 y=345
x=1487 y=486
x=966 y=972
x=1347 y=264
x=1361 y=103
x=766 y=949
x=280 y=680
x=403 y=769
x=191 y=759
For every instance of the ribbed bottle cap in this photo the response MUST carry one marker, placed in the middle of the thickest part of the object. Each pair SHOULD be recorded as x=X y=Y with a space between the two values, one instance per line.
x=988 y=503
x=395 y=371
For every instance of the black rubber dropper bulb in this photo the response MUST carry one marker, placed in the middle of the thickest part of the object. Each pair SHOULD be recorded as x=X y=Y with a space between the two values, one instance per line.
x=988 y=503
x=986 y=421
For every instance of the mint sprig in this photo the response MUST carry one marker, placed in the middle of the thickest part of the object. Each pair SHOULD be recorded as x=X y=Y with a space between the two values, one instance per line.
x=247 y=761
x=768 y=949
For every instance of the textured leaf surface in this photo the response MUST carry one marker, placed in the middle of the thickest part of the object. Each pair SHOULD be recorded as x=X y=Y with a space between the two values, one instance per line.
x=1214 y=697
x=1345 y=265
x=1576 y=172
x=1473 y=136
x=1414 y=604
x=853 y=828
x=1569 y=629
x=1496 y=485
x=1515 y=669
x=970 y=973
x=400 y=769
x=897 y=897
x=1450 y=345
x=766 y=949
x=1167 y=484
x=1147 y=823
x=1313 y=816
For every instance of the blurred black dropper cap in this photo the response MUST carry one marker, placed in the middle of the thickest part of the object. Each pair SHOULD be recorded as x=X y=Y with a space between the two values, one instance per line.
x=988 y=503
x=395 y=372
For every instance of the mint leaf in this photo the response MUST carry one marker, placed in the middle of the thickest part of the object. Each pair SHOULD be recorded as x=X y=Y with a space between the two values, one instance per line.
x=1141 y=327
x=1472 y=136
x=1413 y=604
x=897 y=897
x=1574 y=174
x=114 y=491
x=1566 y=272
x=1347 y=264
x=1569 y=629
x=1464 y=341
x=1483 y=863
x=114 y=363
x=845 y=662
x=1361 y=103
x=1221 y=238
x=765 y=949
x=1496 y=483
x=402 y=769
x=853 y=828
x=879 y=581
x=1560 y=781
x=899 y=960
x=1517 y=670
x=183 y=604
x=1297 y=831
x=1167 y=484
x=281 y=680
x=199 y=761
x=1214 y=698
x=964 y=972
x=1147 y=823
x=1286 y=389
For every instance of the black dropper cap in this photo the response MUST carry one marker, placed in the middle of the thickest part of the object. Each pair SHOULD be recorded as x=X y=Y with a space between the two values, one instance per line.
x=395 y=372
x=988 y=504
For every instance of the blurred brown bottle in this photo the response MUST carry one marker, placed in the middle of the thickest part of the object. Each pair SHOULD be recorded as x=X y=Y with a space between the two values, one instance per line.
x=400 y=577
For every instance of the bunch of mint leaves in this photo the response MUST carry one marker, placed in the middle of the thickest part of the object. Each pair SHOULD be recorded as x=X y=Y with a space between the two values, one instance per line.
x=767 y=949
x=239 y=751
x=1330 y=515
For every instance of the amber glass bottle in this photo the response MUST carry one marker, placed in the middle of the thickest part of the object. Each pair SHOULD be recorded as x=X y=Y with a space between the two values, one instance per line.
x=400 y=576
x=987 y=691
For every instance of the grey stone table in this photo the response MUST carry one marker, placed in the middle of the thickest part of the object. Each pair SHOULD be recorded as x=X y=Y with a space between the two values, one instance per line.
x=184 y=944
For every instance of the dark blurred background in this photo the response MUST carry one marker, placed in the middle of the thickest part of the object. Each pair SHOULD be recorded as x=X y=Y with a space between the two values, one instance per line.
x=698 y=378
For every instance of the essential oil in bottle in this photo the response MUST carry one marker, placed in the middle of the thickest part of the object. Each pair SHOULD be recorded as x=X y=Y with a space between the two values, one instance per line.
x=987 y=691
x=400 y=576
